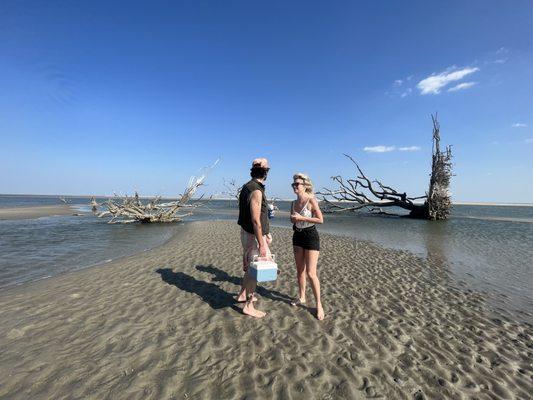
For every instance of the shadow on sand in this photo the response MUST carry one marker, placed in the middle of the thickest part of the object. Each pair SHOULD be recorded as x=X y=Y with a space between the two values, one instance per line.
x=211 y=293
x=222 y=276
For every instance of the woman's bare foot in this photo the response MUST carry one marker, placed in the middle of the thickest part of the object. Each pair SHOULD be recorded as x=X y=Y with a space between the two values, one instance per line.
x=298 y=302
x=320 y=312
x=250 y=310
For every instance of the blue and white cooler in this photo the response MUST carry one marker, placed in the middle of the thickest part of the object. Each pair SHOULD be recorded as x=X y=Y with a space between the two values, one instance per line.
x=264 y=269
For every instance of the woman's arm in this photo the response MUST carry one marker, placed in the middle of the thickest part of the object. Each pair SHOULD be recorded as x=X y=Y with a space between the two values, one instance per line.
x=317 y=217
x=293 y=220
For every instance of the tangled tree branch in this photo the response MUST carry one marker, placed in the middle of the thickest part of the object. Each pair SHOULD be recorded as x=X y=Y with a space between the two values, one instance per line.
x=132 y=209
x=354 y=194
x=361 y=192
x=233 y=190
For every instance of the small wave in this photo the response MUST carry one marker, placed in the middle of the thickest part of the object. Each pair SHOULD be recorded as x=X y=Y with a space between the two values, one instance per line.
x=504 y=219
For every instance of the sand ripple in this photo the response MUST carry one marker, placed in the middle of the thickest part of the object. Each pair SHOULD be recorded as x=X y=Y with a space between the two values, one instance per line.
x=164 y=325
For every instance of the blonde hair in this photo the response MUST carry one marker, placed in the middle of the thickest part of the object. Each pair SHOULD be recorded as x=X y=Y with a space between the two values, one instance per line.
x=307 y=183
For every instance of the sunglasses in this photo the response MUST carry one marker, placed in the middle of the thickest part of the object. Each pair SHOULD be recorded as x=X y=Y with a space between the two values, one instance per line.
x=296 y=184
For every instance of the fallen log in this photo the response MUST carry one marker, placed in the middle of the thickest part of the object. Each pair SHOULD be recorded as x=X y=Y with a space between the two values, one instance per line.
x=357 y=193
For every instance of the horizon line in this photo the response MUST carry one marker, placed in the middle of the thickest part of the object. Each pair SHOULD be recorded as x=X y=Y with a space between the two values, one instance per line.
x=458 y=202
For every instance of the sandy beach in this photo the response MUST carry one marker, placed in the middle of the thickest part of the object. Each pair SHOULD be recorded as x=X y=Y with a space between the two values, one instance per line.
x=163 y=324
x=35 y=212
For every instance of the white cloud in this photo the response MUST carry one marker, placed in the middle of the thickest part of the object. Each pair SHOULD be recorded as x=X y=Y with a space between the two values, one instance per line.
x=399 y=87
x=388 y=149
x=529 y=140
x=379 y=149
x=406 y=93
x=501 y=50
x=461 y=86
x=519 y=125
x=409 y=148
x=500 y=61
x=435 y=82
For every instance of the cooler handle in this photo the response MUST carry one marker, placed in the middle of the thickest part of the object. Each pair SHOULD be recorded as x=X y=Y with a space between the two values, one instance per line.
x=267 y=258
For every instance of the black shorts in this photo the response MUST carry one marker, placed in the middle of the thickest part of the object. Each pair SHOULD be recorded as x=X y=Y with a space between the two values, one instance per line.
x=306 y=238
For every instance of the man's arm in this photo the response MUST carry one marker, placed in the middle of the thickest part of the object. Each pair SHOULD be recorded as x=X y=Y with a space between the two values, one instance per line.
x=256 y=199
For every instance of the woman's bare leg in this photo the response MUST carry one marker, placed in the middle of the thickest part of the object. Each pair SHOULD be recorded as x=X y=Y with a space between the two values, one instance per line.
x=311 y=261
x=300 y=272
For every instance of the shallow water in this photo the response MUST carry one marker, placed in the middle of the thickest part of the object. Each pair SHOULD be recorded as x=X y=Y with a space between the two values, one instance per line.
x=34 y=249
x=488 y=247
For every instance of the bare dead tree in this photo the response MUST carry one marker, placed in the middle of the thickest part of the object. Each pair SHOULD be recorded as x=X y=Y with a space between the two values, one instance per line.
x=131 y=209
x=361 y=192
x=233 y=190
x=439 y=201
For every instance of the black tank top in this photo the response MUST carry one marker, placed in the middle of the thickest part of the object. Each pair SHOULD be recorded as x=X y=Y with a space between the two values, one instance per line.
x=245 y=215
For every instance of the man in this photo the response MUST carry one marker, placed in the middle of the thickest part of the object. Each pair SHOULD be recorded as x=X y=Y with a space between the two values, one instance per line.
x=255 y=230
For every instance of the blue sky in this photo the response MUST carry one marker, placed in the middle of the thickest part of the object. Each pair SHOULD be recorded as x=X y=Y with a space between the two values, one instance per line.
x=99 y=97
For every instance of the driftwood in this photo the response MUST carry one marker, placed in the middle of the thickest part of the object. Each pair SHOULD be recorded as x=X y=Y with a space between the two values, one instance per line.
x=233 y=190
x=94 y=205
x=131 y=209
x=361 y=192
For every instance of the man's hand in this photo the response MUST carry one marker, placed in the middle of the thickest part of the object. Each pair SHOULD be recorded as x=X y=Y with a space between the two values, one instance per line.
x=269 y=239
x=262 y=251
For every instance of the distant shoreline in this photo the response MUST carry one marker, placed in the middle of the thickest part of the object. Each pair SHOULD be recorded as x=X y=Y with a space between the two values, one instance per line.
x=458 y=203
x=30 y=212
x=467 y=203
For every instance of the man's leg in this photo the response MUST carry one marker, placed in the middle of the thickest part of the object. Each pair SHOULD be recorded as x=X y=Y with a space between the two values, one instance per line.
x=242 y=293
x=246 y=248
x=250 y=284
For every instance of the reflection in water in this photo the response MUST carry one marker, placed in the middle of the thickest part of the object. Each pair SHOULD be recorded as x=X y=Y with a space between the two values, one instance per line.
x=435 y=238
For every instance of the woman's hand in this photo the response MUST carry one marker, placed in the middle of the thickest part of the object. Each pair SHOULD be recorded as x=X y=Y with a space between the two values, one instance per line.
x=295 y=217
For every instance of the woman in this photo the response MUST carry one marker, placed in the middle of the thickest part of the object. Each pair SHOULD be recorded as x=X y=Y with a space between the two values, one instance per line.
x=305 y=213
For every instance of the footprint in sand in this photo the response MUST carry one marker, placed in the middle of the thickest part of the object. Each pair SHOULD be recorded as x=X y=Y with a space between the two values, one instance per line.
x=17 y=333
x=419 y=395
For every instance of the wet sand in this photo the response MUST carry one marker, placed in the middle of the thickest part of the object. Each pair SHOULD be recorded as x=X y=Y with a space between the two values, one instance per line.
x=35 y=212
x=163 y=324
